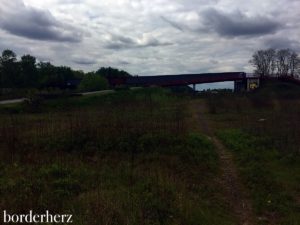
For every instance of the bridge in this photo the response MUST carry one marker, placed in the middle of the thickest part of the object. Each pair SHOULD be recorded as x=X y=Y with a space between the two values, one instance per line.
x=242 y=81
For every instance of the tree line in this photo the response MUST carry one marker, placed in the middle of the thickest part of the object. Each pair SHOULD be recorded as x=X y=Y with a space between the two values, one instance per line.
x=29 y=73
x=276 y=62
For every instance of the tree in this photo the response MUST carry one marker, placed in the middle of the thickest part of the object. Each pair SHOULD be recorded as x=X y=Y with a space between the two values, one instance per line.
x=112 y=73
x=54 y=76
x=29 y=73
x=63 y=74
x=78 y=74
x=1 y=76
x=264 y=62
x=10 y=74
x=46 y=73
x=294 y=64
x=282 y=62
x=93 y=82
x=8 y=55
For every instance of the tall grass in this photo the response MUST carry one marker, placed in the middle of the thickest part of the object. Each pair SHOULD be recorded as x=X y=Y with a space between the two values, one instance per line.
x=263 y=131
x=126 y=158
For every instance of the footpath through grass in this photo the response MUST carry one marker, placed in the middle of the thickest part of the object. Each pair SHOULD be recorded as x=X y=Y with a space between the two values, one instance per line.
x=262 y=130
x=125 y=158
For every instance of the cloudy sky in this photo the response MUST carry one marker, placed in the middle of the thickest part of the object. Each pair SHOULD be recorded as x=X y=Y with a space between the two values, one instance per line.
x=148 y=37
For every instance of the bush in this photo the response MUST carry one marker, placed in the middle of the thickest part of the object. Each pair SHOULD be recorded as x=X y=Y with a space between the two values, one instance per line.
x=93 y=82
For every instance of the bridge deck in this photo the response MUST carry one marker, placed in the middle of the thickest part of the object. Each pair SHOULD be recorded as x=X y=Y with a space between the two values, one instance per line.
x=181 y=79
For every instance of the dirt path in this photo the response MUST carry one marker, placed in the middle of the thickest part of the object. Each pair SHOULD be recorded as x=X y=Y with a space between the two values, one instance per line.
x=234 y=190
x=13 y=101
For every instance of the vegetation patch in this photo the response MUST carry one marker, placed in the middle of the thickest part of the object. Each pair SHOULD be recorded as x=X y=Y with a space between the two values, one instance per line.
x=124 y=158
x=259 y=166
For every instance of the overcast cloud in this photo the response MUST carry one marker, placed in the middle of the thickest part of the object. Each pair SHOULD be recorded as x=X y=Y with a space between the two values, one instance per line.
x=148 y=37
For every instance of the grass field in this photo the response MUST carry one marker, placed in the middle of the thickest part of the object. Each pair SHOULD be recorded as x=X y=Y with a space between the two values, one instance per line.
x=146 y=156
x=262 y=129
x=126 y=158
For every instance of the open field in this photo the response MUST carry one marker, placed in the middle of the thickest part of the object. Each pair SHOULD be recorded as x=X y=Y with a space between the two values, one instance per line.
x=127 y=158
x=150 y=157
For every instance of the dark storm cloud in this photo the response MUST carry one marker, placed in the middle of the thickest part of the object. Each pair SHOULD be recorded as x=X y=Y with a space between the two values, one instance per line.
x=35 y=24
x=238 y=24
x=281 y=43
x=120 y=42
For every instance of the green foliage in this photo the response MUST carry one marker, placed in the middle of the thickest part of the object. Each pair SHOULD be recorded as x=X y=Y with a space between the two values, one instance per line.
x=262 y=130
x=29 y=71
x=193 y=148
x=93 y=82
x=53 y=76
x=10 y=70
x=27 y=74
x=259 y=166
x=201 y=150
x=112 y=73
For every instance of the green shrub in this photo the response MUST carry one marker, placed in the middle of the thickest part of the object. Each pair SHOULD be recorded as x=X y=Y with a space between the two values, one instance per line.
x=254 y=157
x=93 y=82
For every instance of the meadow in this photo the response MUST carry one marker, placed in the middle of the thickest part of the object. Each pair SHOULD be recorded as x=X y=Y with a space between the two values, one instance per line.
x=146 y=156
x=131 y=157
x=262 y=129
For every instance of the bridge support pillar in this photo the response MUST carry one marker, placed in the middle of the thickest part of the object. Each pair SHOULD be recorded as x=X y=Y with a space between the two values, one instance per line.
x=248 y=84
x=240 y=85
x=194 y=87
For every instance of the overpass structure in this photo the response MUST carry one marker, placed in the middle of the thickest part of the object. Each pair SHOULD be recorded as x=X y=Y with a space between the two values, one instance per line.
x=242 y=81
